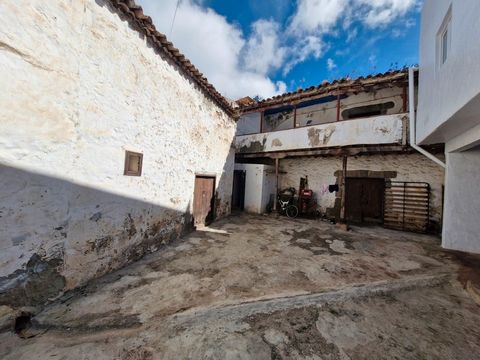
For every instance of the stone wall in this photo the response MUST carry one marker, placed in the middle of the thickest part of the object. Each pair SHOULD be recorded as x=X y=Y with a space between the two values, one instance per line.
x=323 y=171
x=79 y=88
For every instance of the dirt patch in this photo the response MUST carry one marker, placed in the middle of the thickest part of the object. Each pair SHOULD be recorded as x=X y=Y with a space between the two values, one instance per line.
x=293 y=334
x=320 y=243
x=469 y=270
x=139 y=353
x=40 y=281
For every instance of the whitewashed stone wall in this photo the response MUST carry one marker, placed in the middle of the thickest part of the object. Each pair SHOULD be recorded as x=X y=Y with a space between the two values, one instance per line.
x=79 y=87
x=321 y=172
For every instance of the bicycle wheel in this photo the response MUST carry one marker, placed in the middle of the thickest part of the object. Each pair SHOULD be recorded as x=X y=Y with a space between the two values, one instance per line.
x=292 y=211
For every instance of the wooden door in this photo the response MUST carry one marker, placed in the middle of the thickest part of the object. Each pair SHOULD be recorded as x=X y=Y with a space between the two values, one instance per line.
x=203 y=200
x=364 y=200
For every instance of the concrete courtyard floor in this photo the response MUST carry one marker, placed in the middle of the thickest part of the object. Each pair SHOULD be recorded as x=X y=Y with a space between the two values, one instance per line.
x=261 y=287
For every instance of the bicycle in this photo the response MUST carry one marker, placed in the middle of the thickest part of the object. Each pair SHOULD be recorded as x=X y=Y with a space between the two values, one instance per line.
x=286 y=200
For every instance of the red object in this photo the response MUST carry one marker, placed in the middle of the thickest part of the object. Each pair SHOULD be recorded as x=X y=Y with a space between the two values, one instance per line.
x=307 y=193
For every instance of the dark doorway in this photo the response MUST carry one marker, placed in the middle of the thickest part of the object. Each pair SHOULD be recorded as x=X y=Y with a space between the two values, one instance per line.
x=204 y=200
x=364 y=199
x=238 y=192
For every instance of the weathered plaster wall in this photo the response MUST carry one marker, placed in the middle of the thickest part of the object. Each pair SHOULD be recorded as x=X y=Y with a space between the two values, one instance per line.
x=249 y=123
x=321 y=172
x=387 y=129
x=79 y=87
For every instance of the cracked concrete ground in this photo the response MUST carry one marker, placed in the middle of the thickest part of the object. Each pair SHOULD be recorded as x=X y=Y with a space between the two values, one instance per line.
x=257 y=287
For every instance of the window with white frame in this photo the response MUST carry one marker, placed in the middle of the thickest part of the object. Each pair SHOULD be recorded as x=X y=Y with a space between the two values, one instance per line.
x=444 y=36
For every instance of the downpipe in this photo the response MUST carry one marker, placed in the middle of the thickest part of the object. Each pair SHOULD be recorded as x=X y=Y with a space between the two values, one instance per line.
x=412 y=120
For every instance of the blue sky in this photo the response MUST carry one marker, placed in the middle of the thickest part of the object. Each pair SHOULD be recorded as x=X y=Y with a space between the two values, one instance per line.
x=266 y=47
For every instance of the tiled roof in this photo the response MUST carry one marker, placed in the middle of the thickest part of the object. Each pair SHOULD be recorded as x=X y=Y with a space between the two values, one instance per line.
x=326 y=87
x=141 y=22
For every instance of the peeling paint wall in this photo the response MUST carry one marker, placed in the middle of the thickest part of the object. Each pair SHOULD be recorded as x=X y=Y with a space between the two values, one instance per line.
x=79 y=88
x=387 y=129
x=321 y=173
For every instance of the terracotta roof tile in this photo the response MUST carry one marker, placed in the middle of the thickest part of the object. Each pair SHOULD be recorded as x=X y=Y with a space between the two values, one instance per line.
x=143 y=23
x=325 y=87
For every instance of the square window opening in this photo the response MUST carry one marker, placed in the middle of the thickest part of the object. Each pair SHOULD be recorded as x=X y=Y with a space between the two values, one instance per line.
x=133 y=163
x=444 y=37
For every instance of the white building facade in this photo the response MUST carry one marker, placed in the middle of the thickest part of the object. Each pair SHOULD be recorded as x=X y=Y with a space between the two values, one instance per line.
x=362 y=123
x=106 y=133
x=449 y=111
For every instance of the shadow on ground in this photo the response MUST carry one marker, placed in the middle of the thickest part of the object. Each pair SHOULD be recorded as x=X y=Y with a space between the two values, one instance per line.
x=265 y=287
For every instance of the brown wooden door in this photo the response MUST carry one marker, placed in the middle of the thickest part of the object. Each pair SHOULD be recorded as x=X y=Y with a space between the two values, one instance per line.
x=203 y=200
x=364 y=200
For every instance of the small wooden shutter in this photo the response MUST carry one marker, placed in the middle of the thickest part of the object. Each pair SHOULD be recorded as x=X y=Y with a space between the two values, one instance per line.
x=407 y=206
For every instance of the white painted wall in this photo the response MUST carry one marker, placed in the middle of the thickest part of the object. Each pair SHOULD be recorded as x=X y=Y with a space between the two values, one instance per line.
x=449 y=95
x=461 y=229
x=449 y=112
x=321 y=173
x=259 y=185
x=79 y=87
x=387 y=129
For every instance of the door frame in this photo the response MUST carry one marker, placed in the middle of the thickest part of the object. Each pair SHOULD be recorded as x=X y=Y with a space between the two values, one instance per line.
x=214 y=195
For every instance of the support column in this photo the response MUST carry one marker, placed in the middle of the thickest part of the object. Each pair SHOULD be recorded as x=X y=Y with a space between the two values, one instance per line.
x=295 y=117
x=338 y=105
x=405 y=98
x=277 y=164
x=343 y=220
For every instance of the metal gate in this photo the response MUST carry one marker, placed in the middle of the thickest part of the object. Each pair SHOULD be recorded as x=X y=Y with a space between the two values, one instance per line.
x=407 y=206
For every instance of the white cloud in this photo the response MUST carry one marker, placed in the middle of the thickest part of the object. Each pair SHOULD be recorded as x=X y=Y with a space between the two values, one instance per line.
x=303 y=49
x=372 y=59
x=320 y=16
x=352 y=35
x=263 y=51
x=331 y=64
x=316 y=16
x=383 y=12
x=238 y=65
x=214 y=46
x=314 y=19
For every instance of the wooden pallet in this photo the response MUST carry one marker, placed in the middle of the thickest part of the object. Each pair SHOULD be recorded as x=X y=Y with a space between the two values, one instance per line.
x=407 y=206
